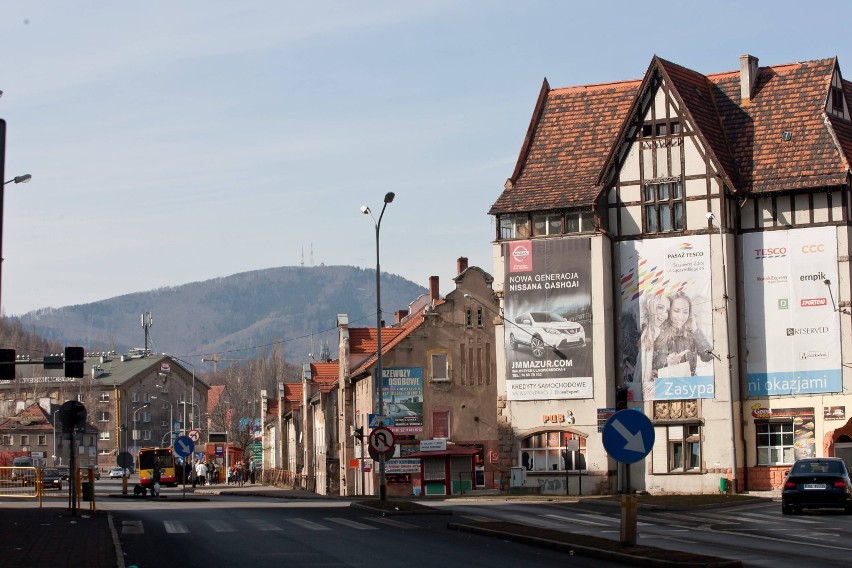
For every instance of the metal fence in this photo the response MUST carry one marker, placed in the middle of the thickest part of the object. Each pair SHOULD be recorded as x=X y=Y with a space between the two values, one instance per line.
x=23 y=482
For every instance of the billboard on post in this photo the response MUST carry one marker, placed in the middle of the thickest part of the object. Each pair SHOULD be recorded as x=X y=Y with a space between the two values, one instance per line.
x=402 y=392
x=792 y=327
x=666 y=318
x=548 y=319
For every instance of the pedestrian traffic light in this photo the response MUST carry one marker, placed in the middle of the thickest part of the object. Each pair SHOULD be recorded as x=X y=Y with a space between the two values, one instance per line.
x=75 y=360
x=621 y=398
x=7 y=364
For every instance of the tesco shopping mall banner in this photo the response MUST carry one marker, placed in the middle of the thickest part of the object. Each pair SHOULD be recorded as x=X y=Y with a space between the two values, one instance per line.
x=548 y=319
x=792 y=328
x=666 y=318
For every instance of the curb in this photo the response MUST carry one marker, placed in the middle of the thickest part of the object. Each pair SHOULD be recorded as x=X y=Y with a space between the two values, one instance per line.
x=392 y=513
x=594 y=552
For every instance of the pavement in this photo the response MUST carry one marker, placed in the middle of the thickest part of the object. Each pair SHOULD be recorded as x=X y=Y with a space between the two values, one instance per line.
x=51 y=536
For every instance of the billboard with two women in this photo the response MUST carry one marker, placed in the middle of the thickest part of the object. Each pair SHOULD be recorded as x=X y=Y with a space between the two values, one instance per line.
x=666 y=318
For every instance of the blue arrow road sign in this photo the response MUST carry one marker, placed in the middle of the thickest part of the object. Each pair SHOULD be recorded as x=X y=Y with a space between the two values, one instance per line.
x=184 y=446
x=628 y=436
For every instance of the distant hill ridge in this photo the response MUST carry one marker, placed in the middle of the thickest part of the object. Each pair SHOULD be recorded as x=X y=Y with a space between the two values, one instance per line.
x=293 y=304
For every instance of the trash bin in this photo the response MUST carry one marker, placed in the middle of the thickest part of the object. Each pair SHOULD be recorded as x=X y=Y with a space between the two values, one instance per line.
x=723 y=485
x=88 y=491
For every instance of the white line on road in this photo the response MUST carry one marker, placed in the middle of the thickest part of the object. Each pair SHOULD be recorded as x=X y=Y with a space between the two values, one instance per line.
x=221 y=526
x=351 y=524
x=393 y=522
x=175 y=527
x=304 y=523
x=132 y=527
x=576 y=520
x=263 y=525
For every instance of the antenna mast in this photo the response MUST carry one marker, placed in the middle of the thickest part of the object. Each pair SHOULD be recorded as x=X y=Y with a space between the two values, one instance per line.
x=147 y=322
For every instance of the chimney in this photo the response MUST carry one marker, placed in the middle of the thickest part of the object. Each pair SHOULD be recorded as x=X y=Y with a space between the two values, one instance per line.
x=462 y=263
x=400 y=315
x=434 y=294
x=748 y=77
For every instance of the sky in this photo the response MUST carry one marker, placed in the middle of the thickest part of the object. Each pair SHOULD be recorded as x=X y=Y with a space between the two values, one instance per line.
x=178 y=141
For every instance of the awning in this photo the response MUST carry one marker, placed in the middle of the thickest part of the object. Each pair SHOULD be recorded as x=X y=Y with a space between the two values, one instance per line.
x=451 y=451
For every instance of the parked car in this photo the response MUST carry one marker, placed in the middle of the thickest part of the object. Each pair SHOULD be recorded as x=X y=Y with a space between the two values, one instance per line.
x=52 y=478
x=817 y=483
x=545 y=330
x=84 y=472
x=118 y=472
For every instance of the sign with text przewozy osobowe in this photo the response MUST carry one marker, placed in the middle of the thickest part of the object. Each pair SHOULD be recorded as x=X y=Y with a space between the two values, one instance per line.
x=548 y=319
x=402 y=389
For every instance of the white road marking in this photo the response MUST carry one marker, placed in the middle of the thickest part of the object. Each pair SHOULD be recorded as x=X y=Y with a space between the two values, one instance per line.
x=132 y=527
x=175 y=527
x=221 y=526
x=393 y=522
x=351 y=524
x=263 y=525
x=304 y=523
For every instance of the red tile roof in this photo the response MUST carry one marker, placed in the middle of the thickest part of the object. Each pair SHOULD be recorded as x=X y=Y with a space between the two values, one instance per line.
x=325 y=375
x=391 y=340
x=574 y=131
x=32 y=417
x=213 y=396
x=293 y=395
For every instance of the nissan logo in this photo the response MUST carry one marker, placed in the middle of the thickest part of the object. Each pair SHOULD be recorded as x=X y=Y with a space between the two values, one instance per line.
x=520 y=253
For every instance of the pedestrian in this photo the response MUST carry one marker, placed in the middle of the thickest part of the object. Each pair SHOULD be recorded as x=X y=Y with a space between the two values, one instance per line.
x=201 y=473
x=252 y=471
x=155 y=478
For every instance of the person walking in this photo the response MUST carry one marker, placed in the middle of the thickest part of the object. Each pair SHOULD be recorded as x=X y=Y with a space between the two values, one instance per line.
x=155 y=478
x=252 y=471
x=201 y=473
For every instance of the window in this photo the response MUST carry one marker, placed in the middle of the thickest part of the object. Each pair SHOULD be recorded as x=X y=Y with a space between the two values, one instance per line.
x=104 y=435
x=775 y=443
x=104 y=452
x=440 y=367
x=146 y=434
x=441 y=424
x=660 y=129
x=543 y=225
x=836 y=101
x=517 y=227
x=146 y=397
x=7 y=440
x=478 y=317
x=677 y=448
x=134 y=397
x=553 y=451
x=104 y=397
x=42 y=439
x=664 y=206
x=25 y=440
x=579 y=222
x=146 y=417
x=468 y=317
x=103 y=416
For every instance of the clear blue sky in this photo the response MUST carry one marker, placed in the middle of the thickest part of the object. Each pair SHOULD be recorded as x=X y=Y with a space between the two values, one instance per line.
x=172 y=142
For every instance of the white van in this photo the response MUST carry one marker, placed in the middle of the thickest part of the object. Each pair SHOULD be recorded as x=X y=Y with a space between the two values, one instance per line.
x=21 y=472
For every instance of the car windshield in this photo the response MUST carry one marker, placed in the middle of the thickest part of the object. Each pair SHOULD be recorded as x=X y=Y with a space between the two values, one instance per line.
x=817 y=467
x=51 y=472
x=546 y=317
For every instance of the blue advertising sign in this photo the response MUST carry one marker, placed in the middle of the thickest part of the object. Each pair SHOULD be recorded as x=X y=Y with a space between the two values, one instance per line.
x=628 y=436
x=402 y=389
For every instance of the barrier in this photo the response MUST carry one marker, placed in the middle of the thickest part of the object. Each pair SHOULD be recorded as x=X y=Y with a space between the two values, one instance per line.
x=23 y=482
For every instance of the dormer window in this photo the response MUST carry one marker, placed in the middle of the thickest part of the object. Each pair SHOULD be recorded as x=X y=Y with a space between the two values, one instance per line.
x=660 y=129
x=837 y=101
x=543 y=225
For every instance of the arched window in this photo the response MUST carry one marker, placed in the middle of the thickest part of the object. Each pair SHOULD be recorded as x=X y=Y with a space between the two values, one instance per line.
x=550 y=451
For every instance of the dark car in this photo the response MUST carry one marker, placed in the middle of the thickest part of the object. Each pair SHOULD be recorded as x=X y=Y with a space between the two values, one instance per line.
x=52 y=478
x=817 y=483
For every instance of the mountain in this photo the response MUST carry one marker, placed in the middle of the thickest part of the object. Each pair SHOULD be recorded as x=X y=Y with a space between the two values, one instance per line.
x=233 y=316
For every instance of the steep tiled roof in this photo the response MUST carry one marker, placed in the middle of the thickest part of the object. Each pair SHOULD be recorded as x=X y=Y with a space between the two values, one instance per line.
x=574 y=130
x=391 y=340
x=292 y=395
x=577 y=128
x=786 y=98
x=32 y=417
x=363 y=340
x=213 y=396
x=324 y=375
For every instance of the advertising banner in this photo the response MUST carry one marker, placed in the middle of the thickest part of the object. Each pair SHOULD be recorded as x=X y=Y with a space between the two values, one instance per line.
x=548 y=316
x=666 y=318
x=792 y=328
x=402 y=390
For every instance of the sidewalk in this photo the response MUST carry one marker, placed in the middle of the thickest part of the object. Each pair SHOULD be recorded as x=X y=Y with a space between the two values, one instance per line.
x=50 y=536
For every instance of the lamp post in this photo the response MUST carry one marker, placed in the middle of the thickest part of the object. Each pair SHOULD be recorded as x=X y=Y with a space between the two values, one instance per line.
x=381 y=406
x=715 y=221
x=17 y=179
x=54 y=439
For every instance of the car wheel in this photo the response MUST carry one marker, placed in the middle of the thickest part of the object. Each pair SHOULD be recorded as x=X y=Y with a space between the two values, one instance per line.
x=537 y=347
x=786 y=510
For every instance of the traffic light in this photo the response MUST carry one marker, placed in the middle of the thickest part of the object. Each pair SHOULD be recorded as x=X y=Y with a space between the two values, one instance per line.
x=7 y=364
x=621 y=398
x=75 y=360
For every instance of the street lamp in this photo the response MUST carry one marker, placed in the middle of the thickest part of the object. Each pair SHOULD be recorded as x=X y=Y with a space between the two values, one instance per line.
x=17 y=179
x=381 y=406
x=715 y=221
x=54 y=438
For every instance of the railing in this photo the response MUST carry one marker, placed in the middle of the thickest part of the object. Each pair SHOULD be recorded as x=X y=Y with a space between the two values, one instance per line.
x=23 y=482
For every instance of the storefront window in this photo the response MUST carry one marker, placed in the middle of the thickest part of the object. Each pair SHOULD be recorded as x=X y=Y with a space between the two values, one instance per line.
x=553 y=451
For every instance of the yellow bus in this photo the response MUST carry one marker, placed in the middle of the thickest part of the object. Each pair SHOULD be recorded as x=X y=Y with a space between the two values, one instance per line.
x=145 y=466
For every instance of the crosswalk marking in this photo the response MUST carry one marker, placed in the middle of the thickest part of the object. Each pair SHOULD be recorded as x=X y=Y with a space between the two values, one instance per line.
x=576 y=520
x=220 y=526
x=351 y=524
x=393 y=523
x=175 y=527
x=304 y=523
x=263 y=525
x=479 y=519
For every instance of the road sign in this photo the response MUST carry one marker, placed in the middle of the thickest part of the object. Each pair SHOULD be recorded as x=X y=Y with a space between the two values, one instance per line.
x=125 y=460
x=382 y=440
x=628 y=436
x=194 y=435
x=184 y=446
